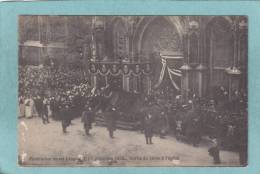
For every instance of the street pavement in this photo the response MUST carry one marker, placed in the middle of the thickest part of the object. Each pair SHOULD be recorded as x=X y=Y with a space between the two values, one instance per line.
x=47 y=145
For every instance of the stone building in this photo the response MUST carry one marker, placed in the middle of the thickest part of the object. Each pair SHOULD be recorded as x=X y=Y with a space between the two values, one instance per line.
x=193 y=54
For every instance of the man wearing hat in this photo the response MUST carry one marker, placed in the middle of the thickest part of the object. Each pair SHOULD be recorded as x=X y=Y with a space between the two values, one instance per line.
x=38 y=105
x=214 y=151
x=148 y=128
x=65 y=117
x=111 y=121
x=87 y=119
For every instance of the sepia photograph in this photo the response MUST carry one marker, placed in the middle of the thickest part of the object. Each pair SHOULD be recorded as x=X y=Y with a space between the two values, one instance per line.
x=124 y=91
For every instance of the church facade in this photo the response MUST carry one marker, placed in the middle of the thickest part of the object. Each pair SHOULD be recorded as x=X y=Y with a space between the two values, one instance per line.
x=184 y=55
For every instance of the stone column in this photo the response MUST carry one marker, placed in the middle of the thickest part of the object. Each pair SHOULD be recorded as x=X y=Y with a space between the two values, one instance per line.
x=201 y=78
x=211 y=64
x=149 y=84
x=93 y=40
x=93 y=51
x=233 y=71
x=185 y=81
x=185 y=68
x=243 y=53
x=39 y=21
x=99 y=37
x=94 y=81
x=201 y=67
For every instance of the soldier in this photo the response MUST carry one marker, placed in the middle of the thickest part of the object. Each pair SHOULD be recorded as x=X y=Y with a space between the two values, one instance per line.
x=148 y=129
x=87 y=119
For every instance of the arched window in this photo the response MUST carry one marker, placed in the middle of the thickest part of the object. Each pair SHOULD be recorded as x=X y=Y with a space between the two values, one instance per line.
x=220 y=50
x=57 y=29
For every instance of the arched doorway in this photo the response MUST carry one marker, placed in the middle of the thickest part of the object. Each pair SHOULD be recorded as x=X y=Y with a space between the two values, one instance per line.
x=219 y=50
x=158 y=36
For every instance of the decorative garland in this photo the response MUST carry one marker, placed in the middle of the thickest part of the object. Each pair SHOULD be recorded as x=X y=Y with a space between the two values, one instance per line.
x=116 y=70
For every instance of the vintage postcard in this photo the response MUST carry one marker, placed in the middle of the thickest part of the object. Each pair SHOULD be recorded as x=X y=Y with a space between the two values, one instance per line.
x=132 y=90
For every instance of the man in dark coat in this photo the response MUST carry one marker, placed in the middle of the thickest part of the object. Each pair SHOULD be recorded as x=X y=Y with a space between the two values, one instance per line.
x=87 y=119
x=45 y=116
x=52 y=105
x=194 y=134
x=163 y=123
x=111 y=121
x=65 y=118
x=214 y=152
x=38 y=105
x=178 y=129
x=193 y=127
x=148 y=129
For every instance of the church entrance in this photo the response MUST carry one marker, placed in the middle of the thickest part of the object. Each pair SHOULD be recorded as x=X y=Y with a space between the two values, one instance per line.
x=160 y=44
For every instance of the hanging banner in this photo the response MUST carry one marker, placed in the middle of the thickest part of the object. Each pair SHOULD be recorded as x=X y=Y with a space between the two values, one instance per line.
x=175 y=72
x=161 y=73
x=171 y=72
x=172 y=81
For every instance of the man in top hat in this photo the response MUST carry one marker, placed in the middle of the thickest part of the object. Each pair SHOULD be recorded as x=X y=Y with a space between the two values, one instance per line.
x=39 y=105
x=110 y=118
x=87 y=118
x=65 y=117
x=148 y=129
x=214 y=151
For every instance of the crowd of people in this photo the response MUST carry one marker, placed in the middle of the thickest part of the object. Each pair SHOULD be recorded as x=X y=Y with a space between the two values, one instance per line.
x=63 y=95
x=222 y=120
x=37 y=79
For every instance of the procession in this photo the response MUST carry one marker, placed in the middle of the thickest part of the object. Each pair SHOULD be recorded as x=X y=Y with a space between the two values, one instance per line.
x=161 y=98
x=187 y=122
